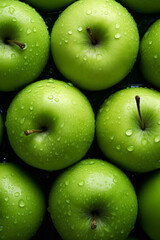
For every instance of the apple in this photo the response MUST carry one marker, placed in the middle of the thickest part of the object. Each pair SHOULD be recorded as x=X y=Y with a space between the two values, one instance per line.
x=150 y=54
x=22 y=205
x=50 y=124
x=1 y=128
x=142 y=6
x=149 y=208
x=49 y=5
x=24 y=45
x=128 y=127
x=93 y=200
x=91 y=39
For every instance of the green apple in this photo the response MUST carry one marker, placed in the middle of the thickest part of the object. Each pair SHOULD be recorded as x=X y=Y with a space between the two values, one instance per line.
x=1 y=128
x=50 y=124
x=149 y=207
x=150 y=54
x=91 y=39
x=128 y=129
x=49 y=5
x=24 y=45
x=142 y=6
x=22 y=204
x=93 y=200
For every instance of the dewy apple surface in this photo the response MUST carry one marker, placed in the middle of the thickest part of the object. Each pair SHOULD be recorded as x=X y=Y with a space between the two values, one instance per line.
x=134 y=78
x=23 y=51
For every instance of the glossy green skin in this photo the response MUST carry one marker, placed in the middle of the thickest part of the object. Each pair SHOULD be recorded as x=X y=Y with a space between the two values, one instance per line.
x=49 y=5
x=92 y=67
x=1 y=128
x=22 y=204
x=119 y=133
x=93 y=185
x=149 y=208
x=66 y=114
x=149 y=54
x=142 y=6
x=21 y=23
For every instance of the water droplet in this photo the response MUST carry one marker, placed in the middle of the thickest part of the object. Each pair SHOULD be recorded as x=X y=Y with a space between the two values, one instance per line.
x=69 y=213
x=117 y=26
x=77 y=55
x=81 y=183
x=34 y=30
x=11 y=10
x=117 y=36
x=56 y=99
x=91 y=162
x=21 y=203
x=29 y=31
x=89 y=12
x=111 y=138
x=157 y=139
x=80 y=29
x=130 y=148
x=70 y=32
x=115 y=180
x=122 y=231
x=129 y=132
x=105 y=12
x=118 y=147
x=66 y=183
x=144 y=141
x=99 y=57
x=85 y=58
x=50 y=97
x=14 y=19
x=13 y=56
x=6 y=199
x=1 y=228
x=17 y=194
x=150 y=42
x=22 y=120
x=155 y=56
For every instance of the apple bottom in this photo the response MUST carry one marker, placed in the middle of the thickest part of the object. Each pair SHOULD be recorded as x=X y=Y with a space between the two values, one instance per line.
x=93 y=200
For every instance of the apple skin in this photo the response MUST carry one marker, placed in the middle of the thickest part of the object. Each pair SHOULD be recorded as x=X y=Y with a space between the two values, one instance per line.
x=119 y=133
x=142 y=6
x=63 y=111
x=93 y=186
x=20 y=22
x=150 y=54
x=49 y=5
x=22 y=205
x=1 y=128
x=89 y=66
x=149 y=208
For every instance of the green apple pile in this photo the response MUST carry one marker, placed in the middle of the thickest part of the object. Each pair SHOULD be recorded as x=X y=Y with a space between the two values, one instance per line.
x=79 y=120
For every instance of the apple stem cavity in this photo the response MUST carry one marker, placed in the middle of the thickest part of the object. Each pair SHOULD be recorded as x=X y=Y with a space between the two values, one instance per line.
x=29 y=132
x=93 y=40
x=94 y=222
x=21 y=45
x=137 y=98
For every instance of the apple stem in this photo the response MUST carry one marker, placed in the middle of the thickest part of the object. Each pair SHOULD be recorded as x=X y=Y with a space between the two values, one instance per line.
x=28 y=132
x=93 y=40
x=94 y=222
x=137 y=98
x=21 y=45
